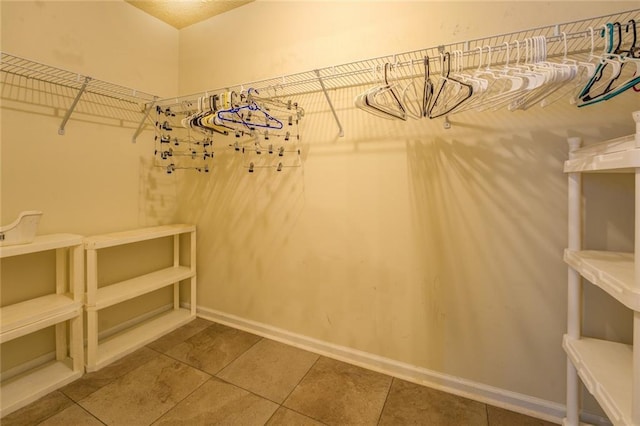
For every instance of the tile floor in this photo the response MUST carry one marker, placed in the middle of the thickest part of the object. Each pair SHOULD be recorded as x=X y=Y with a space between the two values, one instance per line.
x=207 y=373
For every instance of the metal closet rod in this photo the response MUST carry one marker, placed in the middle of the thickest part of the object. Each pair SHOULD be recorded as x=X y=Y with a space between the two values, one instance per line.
x=362 y=72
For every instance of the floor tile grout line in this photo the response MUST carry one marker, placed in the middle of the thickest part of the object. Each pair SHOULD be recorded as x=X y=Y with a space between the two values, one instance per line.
x=385 y=399
x=296 y=386
x=90 y=413
x=187 y=396
x=300 y=381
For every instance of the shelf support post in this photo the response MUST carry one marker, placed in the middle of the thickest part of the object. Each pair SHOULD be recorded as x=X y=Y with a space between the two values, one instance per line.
x=73 y=105
x=574 y=288
x=141 y=125
x=333 y=110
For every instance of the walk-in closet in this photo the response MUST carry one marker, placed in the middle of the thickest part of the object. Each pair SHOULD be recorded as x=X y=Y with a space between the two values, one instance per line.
x=263 y=212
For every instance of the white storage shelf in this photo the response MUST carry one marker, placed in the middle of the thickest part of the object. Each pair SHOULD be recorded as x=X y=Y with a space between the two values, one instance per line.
x=604 y=368
x=55 y=309
x=103 y=352
x=618 y=155
x=607 y=369
x=611 y=271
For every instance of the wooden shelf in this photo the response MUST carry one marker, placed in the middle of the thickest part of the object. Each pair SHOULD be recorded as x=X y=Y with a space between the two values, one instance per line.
x=125 y=290
x=42 y=243
x=26 y=317
x=28 y=387
x=136 y=235
x=606 y=370
x=611 y=271
x=619 y=155
x=127 y=341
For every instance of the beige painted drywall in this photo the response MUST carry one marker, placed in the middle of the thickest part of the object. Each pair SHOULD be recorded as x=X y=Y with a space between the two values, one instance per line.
x=438 y=248
x=93 y=179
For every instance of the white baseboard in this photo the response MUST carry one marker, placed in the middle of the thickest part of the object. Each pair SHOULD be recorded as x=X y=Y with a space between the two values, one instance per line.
x=524 y=404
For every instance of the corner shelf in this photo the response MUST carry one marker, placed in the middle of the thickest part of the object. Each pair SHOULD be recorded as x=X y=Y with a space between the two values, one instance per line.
x=55 y=309
x=610 y=371
x=103 y=352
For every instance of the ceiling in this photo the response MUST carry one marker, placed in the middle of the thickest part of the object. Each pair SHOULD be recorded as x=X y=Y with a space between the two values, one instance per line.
x=182 y=13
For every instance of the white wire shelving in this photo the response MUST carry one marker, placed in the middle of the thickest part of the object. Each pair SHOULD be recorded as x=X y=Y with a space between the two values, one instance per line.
x=29 y=82
x=569 y=39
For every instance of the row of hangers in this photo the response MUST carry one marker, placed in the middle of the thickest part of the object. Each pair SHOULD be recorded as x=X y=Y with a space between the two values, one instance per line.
x=242 y=113
x=516 y=85
x=185 y=132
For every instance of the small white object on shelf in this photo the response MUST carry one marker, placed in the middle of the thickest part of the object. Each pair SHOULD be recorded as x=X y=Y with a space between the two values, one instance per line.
x=22 y=230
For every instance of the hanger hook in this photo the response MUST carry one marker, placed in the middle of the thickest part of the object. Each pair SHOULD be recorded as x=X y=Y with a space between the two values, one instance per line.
x=480 y=57
x=632 y=22
x=592 y=42
x=506 y=44
x=488 y=57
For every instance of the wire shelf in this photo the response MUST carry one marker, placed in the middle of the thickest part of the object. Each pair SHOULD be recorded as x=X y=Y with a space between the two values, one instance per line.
x=28 y=82
x=577 y=35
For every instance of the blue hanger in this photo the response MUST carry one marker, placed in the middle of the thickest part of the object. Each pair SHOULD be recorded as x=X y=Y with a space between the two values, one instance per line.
x=234 y=115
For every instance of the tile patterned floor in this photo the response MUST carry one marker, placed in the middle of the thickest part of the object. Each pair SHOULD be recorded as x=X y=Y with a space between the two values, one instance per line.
x=209 y=374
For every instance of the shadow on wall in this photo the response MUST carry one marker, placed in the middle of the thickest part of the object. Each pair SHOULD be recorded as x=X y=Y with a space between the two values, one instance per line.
x=490 y=212
x=240 y=214
x=158 y=198
x=40 y=97
x=489 y=205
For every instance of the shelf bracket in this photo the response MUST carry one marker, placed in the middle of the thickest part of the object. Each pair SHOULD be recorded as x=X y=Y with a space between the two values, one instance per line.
x=141 y=125
x=333 y=110
x=73 y=105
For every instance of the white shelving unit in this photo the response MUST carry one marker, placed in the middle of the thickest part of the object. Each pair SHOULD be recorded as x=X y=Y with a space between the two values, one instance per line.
x=610 y=371
x=55 y=309
x=105 y=351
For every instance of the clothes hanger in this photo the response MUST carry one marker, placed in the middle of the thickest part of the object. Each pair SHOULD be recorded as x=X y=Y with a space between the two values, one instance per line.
x=383 y=100
x=561 y=73
x=427 y=93
x=451 y=92
x=607 y=62
x=626 y=59
x=250 y=115
x=584 y=71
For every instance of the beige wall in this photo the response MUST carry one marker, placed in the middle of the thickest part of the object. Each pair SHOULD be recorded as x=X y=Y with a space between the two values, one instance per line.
x=92 y=179
x=438 y=248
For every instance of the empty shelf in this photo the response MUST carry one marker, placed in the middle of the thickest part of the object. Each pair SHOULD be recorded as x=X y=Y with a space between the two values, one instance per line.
x=34 y=314
x=606 y=370
x=125 y=290
x=26 y=388
x=42 y=243
x=125 y=342
x=136 y=235
x=622 y=155
x=611 y=271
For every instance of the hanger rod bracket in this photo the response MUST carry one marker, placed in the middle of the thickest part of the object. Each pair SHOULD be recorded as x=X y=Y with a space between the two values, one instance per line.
x=333 y=110
x=141 y=125
x=73 y=106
